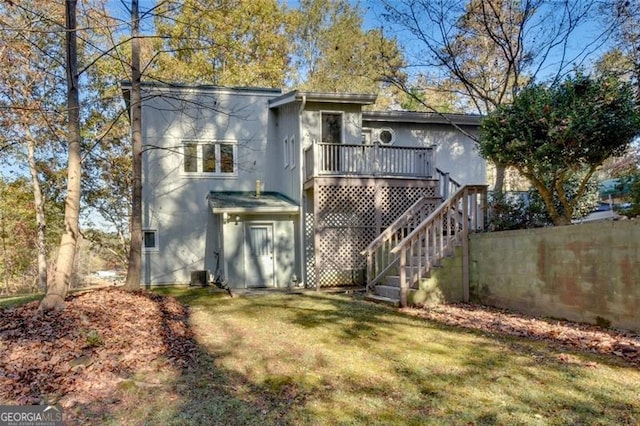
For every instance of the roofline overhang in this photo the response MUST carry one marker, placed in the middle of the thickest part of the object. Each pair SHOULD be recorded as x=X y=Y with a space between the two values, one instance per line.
x=422 y=117
x=287 y=206
x=126 y=84
x=255 y=210
x=335 y=98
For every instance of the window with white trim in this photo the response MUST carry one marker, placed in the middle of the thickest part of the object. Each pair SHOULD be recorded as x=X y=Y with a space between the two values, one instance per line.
x=386 y=136
x=292 y=152
x=286 y=153
x=211 y=158
x=366 y=136
x=149 y=240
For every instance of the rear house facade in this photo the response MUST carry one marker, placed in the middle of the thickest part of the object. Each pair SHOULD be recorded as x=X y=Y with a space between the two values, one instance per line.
x=276 y=190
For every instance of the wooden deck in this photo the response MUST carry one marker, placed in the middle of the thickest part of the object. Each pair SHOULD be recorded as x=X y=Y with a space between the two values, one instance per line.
x=327 y=159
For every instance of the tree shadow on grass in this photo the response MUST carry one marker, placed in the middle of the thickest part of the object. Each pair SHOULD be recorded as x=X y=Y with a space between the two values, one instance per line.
x=561 y=377
x=322 y=359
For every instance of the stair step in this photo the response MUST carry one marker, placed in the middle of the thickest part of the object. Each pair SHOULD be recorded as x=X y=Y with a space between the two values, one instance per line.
x=387 y=291
x=383 y=300
x=394 y=280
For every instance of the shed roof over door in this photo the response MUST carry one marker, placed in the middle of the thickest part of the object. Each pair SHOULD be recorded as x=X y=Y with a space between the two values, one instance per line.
x=248 y=202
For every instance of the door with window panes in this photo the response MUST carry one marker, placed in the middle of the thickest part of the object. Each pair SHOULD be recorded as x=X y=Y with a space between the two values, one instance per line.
x=259 y=255
x=332 y=134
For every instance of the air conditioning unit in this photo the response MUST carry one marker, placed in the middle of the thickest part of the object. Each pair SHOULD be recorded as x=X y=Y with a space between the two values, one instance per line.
x=199 y=278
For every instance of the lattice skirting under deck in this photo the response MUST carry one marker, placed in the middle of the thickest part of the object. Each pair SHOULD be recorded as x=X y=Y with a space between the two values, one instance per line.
x=343 y=215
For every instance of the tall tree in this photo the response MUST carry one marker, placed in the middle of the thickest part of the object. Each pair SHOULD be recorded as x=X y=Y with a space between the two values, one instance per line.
x=135 y=248
x=332 y=52
x=624 y=58
x=554 y=134
x=57 y=290
x=222 y=42
x=107 y=163
x=491 y=48
x=30 y=98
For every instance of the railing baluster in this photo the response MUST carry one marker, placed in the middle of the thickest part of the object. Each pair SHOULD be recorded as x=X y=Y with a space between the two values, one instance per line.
x=416 y=243
x=372 y=160
x=403 y=276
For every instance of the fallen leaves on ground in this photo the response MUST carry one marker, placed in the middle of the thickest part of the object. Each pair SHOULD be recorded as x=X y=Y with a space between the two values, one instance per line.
x=621 y=344
x=106 y=338
x=81 y=355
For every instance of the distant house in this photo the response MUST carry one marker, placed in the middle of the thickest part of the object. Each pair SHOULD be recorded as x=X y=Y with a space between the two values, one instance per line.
x=275 y=190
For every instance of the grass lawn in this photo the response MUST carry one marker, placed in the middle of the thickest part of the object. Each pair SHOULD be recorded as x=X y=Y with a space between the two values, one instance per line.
x=12 y=301
x=329 y=359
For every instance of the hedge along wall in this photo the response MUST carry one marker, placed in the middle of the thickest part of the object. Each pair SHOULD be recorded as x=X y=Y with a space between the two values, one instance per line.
x=588 y=273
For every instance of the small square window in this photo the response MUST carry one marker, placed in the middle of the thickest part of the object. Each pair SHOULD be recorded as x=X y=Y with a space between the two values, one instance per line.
x=149 y=239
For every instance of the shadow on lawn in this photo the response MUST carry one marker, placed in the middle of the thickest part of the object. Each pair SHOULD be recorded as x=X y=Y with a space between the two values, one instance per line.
x=396 y=385
x=507 y=364
x=203 y=392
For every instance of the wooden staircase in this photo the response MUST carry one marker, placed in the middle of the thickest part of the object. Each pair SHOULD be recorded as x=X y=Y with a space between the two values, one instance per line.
x=407 y=251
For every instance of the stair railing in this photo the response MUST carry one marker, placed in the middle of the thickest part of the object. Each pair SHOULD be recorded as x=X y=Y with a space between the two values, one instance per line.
x=427 y=242
x=378 y=252
x=448 y=185
x=449 y=225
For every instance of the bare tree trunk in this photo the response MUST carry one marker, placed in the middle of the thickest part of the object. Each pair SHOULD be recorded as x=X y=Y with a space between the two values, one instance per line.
x=5 y=263
x=57 y=290
x=498 y=186
x=135 y=249
x=41 y=223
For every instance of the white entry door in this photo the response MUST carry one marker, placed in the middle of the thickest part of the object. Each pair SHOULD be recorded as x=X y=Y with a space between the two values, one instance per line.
x=260 y=260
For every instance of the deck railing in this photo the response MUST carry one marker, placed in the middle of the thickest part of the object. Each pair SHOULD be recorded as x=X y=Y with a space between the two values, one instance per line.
x=327 y=159
x=429 y=242
x=448 y=185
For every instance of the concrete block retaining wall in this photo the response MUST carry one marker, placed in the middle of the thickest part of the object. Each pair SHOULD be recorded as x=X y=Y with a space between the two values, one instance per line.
x=588 y=273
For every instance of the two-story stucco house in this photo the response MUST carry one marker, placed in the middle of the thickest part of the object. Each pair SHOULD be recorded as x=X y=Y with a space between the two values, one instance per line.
x=276 y=190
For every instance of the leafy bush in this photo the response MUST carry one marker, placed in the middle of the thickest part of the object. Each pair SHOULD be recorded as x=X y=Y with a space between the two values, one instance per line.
x=630 y=185
x=523 y=210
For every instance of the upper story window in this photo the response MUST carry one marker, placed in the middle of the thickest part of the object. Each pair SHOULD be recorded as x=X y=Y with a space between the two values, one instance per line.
x=292 y=152
x=331 y=127
x=387 y=136
x=215 y=158
x=286 y=152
